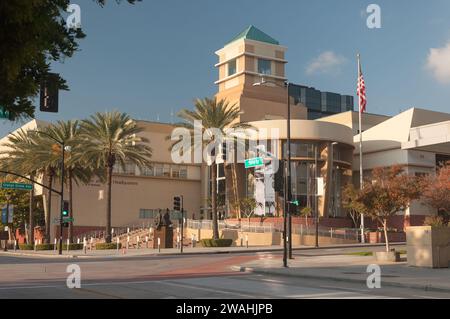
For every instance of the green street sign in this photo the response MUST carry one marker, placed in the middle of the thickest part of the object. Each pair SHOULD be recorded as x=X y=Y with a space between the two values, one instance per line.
x=19 y=186
x=67 y=219
x=254 y=162
x=295 y=202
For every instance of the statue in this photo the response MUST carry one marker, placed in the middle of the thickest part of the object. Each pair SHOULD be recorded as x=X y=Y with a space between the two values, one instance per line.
x=163 y=233
x=161 y=220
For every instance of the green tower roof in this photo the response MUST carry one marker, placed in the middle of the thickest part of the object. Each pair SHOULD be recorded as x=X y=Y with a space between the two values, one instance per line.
x=255 y=34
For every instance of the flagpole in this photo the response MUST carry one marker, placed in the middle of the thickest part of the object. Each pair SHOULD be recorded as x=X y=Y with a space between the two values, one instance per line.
x=361 y=179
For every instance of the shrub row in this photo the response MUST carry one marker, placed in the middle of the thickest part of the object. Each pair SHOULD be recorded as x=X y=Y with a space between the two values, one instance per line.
x=216 y=242
x=105 y=246
x=49 y=247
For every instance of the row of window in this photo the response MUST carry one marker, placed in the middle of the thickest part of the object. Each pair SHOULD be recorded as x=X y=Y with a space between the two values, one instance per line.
x=153 y=213
x=264 y=67
x=156 y=170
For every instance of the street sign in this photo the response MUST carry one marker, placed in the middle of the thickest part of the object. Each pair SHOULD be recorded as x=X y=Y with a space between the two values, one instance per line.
x=254 y=162
x=20 y=186
x=68 y=219
x=7 y=216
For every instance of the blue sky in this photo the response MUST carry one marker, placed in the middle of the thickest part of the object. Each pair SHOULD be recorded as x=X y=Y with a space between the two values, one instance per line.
x=155 y=57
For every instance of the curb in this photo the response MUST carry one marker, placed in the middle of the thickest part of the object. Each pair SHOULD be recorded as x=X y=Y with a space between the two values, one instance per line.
x=216 y=252
x=352 y=280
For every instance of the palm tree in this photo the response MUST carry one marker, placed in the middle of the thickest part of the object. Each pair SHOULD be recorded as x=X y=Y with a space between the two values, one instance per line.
x=18 y=157
x=76 y=169
x=108 y=139
x=218 y=115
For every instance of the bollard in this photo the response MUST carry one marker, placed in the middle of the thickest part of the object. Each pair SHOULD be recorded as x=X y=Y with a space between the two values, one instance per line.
x=178 y=241
x=146 y=241
x=92 y=242
x=128 y=230
x=68 y=244
x=192 y=240
x=246 y=240
x=84 y=245
x=117 y=244
x=15 y=244
x=55 y=245
x=159 y=244
x=128 y=242
x=78 y=241
x=137 y=242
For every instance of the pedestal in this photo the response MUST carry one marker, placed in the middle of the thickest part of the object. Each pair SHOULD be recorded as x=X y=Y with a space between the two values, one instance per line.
x=165 y=234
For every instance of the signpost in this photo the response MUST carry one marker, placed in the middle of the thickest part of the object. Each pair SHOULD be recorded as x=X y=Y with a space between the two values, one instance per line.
x=254 y=162
x=19 y=186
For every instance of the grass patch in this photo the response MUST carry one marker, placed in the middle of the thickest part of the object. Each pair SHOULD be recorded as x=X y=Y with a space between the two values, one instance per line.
x=361 y=253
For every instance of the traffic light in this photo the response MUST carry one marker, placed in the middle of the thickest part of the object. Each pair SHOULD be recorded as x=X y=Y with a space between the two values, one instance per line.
x=49 y=93
x=65 y=213
x=177 y=203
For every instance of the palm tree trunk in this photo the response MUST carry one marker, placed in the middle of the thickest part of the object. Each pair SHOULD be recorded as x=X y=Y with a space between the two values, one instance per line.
x=109 y=170
x=48 y=215
x=31 y=216
x=214 y=200
x=70 y=230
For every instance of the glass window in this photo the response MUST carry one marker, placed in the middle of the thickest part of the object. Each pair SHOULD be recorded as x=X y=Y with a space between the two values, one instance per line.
x=175 y=171
x=159 y=170
x=264 y=66
x=183 y=171
x=166 y=170
x=232 y=67
x=147 y=171
x=130 y=169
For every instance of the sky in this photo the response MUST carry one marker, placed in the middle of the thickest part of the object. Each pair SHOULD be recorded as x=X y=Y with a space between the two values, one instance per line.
x=153 y=58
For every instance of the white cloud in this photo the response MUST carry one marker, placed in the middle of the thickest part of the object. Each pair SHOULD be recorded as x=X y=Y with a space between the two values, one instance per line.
x=326 y=62
x=438 y=62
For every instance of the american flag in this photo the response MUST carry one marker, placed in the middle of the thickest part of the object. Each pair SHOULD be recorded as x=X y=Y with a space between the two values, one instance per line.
x=361 y=91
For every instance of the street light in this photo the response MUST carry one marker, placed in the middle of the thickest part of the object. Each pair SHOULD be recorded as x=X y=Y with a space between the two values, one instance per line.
x=287 y=223
x=63 y=149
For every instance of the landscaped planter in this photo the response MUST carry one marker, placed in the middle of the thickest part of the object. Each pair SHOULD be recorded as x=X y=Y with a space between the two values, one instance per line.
x=392 y=256
x=428 y=246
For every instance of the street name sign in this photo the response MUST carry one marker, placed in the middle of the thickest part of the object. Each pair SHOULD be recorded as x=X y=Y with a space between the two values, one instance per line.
x=254 y=162
x=20 y=186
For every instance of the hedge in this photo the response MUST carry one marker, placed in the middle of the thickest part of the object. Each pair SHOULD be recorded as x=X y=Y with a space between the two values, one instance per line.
x=216 y=242
x=26 y=246
x=105 y=246
x=73 y=246
x=45 y=247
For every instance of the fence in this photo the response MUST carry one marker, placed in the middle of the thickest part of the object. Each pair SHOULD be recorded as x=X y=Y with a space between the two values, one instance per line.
x=342 y=233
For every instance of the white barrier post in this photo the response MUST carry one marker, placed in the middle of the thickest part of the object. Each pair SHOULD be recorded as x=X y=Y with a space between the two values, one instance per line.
x=117 y=243
x=55 y=245
x=92 y=242
x=246 y=240
x=146 y=241
x=84 y=245
x=159 y=244
x=128 y=242
x=15 y=244
x=68 y=244
x=137 y=242
x=78 y=241
x=192 y=240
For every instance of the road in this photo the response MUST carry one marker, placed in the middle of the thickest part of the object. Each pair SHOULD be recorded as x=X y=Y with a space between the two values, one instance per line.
x=205 y=276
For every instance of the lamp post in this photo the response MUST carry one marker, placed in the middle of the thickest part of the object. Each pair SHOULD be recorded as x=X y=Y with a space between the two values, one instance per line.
x=63 y=149
x=287 y=220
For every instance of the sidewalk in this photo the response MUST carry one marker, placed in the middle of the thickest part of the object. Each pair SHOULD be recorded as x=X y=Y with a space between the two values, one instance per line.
x=143 y=252
x=353 y=269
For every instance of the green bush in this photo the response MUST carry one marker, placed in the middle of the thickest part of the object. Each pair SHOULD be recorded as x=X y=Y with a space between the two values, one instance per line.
x=26 y=246
x=45 y=247
x=73 y=246
x=208 y=242
x=105 y=246
x=435 y=221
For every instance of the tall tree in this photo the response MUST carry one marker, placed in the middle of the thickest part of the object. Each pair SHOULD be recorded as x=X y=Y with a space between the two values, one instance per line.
x=214 y=115
x=32 y=35
x=390 y=192
x=111 y=139
x=437 y=191
x=77 y=170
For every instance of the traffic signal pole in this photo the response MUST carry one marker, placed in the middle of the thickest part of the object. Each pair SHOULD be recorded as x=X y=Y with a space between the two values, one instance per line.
x=182 y=222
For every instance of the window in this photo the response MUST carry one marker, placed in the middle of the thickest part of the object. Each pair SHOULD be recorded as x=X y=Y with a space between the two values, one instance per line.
x=264 y=66
x=183 y=171
x=147 y=171
x=166 y=170
x=159 y=170
x=175 y=171
x=232 y=67
x=130 y=169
